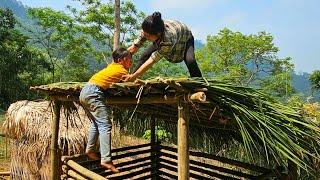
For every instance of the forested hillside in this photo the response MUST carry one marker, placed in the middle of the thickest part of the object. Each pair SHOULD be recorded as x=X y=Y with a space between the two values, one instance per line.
x=73 y=45
x=16 y=6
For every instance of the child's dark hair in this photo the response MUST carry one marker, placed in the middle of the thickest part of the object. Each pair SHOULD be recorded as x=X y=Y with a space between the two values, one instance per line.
x=119 y=53
x=153 y=24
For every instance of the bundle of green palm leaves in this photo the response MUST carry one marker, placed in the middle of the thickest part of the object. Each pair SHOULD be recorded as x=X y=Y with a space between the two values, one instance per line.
x=266 y=126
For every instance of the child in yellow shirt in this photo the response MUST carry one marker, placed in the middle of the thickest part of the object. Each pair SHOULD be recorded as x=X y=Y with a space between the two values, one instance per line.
x=93 y=100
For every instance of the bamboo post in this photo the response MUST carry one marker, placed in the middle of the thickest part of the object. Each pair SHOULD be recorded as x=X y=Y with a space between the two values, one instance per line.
x=153 y=148
x=183 y=140
x=55 y=160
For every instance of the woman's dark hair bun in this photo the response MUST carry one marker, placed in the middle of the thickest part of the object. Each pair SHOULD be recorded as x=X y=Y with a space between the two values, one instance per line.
x=156 y=16
x=153 y=24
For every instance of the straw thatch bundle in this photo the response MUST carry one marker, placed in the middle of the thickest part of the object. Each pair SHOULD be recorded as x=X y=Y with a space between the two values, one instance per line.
x=29 y=124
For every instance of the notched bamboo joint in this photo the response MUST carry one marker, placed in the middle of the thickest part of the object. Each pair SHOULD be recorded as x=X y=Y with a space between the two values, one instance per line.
x=198 y=96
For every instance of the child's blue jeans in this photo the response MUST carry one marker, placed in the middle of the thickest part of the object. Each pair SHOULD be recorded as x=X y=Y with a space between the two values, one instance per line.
x=94 y=101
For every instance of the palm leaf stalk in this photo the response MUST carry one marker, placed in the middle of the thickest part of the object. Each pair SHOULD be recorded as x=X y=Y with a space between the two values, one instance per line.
x=282 y=132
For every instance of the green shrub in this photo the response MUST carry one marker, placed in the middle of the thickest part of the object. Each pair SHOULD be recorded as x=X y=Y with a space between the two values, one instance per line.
x=161 y=134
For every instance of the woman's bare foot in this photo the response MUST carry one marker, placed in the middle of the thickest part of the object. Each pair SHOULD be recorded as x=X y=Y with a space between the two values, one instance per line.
x=110 y=166
x=93 y=155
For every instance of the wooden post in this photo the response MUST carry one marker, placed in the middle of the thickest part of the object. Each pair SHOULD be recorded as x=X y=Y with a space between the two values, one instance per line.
x=153 y=148
x=183 y=140
x=54 y=149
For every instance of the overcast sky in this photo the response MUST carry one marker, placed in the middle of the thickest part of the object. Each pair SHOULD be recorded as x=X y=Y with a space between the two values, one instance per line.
x=294 y=24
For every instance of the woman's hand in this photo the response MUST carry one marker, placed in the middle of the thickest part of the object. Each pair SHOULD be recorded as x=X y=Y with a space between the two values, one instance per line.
x=128 y=78
x=133 y=49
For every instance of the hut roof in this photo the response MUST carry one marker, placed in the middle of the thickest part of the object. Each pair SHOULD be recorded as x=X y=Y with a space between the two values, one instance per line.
x=247 y=115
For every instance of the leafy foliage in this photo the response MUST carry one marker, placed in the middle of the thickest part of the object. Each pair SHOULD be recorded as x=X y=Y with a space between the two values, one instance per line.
x=248 y=60
x=20 y=64
x=59 y=37
x=97 y=19
x=161 y=133
x=315 y=80
x=166 y=69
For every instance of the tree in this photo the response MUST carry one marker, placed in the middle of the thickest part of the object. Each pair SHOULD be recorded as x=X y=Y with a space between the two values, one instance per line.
x=315 y=80
x=164 y=68
x=116 y=38
x=60 y=38
x=248 y=60
x=21 y=66
x=98 y=21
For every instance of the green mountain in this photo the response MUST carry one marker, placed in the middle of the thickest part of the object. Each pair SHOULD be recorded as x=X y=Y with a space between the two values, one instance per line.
x=16 y=6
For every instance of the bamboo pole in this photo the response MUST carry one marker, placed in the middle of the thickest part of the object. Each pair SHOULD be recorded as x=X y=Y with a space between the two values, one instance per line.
x=224 y=160
x=183 y=140
x=152 y=99
x=85 y=172
x=153 y=144
x=6 y=173
x=55 y=173
x=75 y=175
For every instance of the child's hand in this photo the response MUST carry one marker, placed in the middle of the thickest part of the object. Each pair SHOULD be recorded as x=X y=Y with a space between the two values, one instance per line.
x=128 y=78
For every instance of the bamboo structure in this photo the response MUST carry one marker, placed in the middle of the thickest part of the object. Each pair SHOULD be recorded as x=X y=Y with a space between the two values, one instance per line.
x=79 y=167
x=239 y=114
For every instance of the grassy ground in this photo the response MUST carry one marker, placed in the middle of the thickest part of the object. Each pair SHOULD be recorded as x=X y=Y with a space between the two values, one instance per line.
x=4 y=148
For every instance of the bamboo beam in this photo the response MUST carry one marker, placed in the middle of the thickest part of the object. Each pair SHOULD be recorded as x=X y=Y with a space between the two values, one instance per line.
x=6 y=173
x=83 y=171
x=244 y=165
x=198 y=167
x=132 y=174
x=152 y=99
x=183 y=140
x=55 y=160
x=169 y=175
x=129 y=154
x=123 y=166
x=75 y=175
x=127 y=170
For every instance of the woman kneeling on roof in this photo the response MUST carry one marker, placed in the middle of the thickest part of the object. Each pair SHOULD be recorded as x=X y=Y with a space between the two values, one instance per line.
x=171 y=39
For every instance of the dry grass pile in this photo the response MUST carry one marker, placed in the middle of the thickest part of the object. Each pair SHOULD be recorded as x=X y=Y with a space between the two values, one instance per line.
x=29 y=124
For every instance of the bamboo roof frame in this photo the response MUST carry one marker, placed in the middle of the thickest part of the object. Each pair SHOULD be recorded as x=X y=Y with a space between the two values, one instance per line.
x=183 y=117
x=172 y=92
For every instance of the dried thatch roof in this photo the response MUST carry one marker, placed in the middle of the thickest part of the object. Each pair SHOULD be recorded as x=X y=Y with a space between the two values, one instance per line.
x=249 y=116
x=29 y=124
